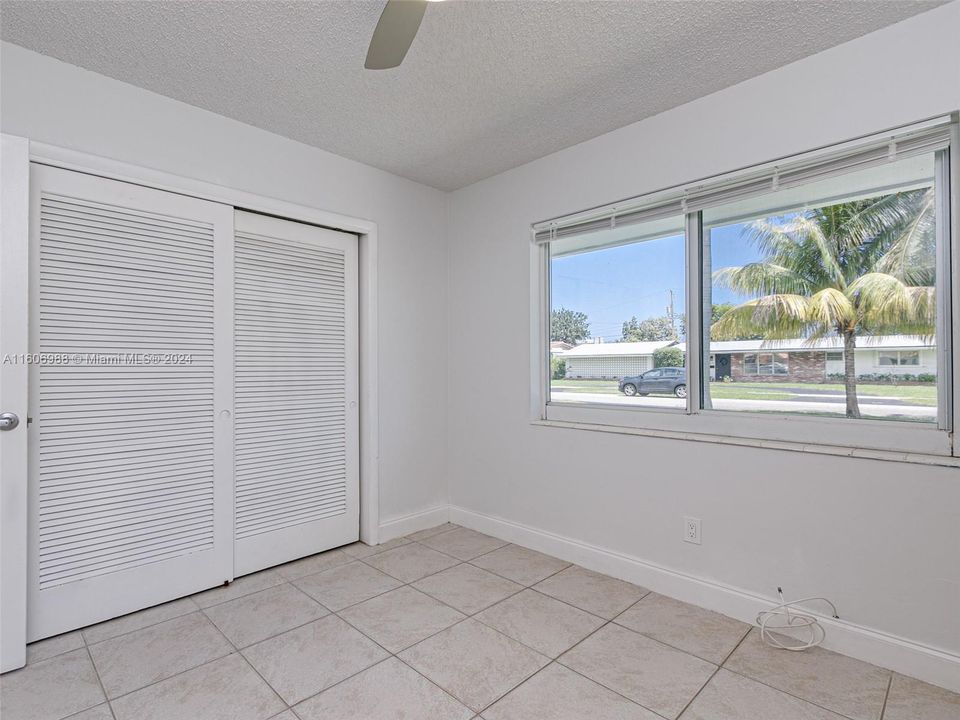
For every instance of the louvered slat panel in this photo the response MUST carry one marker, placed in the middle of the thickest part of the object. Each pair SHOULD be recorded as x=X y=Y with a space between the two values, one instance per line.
x=126 y=449
x=290 y=392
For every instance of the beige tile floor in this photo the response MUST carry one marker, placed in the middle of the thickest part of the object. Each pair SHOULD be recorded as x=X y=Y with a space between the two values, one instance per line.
x=447 y=624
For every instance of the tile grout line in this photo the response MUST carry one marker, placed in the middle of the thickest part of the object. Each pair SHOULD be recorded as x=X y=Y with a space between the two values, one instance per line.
x=587 y=637
x=347 y=622
x=197 y=607
x=886 y=697
x=150 y=625
x=514 y=687
x=649 y=592
x=465 y=618
x=787 y=692
x=714 y=673
x=180 y=672
x=96 y=672
x=285 y=581
x=348 y=559
x=176 y=674
x=612 y=621
x=494 y=572
x=237 y=651
x=609 y=689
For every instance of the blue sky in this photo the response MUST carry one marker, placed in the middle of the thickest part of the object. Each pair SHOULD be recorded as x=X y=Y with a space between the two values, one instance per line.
x=612 y=285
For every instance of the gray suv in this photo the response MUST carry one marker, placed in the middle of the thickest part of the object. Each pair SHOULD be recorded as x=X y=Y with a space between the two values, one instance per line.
x=666 y=380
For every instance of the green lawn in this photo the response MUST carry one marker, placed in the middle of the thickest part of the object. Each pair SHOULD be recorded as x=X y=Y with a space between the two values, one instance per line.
x=915 y=394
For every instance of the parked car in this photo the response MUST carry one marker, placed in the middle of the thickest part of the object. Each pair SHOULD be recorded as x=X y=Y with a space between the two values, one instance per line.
x=664 y=380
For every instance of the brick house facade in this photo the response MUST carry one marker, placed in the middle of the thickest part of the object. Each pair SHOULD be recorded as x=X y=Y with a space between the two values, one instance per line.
x=807 y=366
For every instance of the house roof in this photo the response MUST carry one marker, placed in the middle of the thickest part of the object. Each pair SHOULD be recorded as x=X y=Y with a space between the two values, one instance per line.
x=615 y=349
x=878 y=342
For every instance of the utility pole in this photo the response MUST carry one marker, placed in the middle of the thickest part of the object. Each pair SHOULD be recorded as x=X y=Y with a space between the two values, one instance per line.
x=670 y=310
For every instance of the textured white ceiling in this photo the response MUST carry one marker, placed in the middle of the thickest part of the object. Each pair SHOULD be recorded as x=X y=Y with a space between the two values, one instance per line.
x=485 y=87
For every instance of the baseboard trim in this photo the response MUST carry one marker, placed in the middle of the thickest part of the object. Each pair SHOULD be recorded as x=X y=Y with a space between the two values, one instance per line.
x=406 y=524
x=904 y=656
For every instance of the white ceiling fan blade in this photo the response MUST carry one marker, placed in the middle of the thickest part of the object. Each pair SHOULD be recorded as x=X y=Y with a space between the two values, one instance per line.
x=395 y=31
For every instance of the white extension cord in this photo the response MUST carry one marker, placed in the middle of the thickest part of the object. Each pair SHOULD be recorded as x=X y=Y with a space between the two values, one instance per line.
x=786 y=617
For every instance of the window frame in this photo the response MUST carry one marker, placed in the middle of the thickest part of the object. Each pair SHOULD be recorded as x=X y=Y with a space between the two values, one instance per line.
x=699 y=421
x=757 y=364
x=899 y=355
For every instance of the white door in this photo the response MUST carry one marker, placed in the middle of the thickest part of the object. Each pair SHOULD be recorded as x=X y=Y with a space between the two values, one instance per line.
x=296 y=390
x=14 y=294
x=130 y=404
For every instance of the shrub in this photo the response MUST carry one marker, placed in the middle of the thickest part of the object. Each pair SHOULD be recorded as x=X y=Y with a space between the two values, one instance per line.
x=876 y=377
x=926 y=378
x=670 y=356
x=558 y=368
x=838 y=377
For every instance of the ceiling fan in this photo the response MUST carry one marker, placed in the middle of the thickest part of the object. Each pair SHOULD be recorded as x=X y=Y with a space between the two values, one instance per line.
x=395 y=31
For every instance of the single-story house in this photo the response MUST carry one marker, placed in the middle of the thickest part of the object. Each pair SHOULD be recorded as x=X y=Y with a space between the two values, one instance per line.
x=610 y=361
x=798 y=359
x=761 y=360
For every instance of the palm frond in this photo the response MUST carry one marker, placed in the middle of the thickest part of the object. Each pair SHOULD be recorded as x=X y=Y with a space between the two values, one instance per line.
x=775 y=317
x=886 y=304
x=863 y=266
x=761 y=278
x=797 y=244
x=910 y=247
x=819 y=331
x=832 y=308
x=827 y=252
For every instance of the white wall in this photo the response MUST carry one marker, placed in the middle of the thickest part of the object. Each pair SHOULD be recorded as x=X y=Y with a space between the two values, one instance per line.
x=866 y=361
x=52 y=102
x=879 y=538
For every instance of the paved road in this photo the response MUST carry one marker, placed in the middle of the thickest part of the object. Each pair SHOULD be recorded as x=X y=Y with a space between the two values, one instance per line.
x=877 y=407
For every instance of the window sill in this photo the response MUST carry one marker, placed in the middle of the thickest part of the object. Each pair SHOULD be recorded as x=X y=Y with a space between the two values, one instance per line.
x=817 y=449
x=878 y=439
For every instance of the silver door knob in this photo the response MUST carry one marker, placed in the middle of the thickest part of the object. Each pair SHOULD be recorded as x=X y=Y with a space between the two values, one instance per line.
x=8 y=421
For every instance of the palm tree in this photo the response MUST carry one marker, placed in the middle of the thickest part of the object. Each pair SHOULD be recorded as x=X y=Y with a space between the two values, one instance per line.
x=859 y=268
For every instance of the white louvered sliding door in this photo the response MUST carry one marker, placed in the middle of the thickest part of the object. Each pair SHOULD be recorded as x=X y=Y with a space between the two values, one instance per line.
x=131 y=497
x=296 y=389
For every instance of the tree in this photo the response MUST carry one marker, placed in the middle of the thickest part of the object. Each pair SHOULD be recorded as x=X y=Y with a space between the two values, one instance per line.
x=858 y=268
x=649 y=330
x=670 y=356
x=569 y=326
x=716 y=312
x=558 y=368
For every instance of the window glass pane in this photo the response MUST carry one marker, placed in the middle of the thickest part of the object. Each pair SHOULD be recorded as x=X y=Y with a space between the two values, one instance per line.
x=781 y=363
x=804 y=277
x=910 y=357
x=766 y=364
x=617 y=311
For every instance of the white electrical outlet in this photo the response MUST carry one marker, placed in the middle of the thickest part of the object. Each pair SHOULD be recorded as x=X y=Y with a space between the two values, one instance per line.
x=691 y=530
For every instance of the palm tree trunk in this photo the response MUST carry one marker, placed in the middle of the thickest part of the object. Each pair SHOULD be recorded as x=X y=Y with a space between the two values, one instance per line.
x=850 y=374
